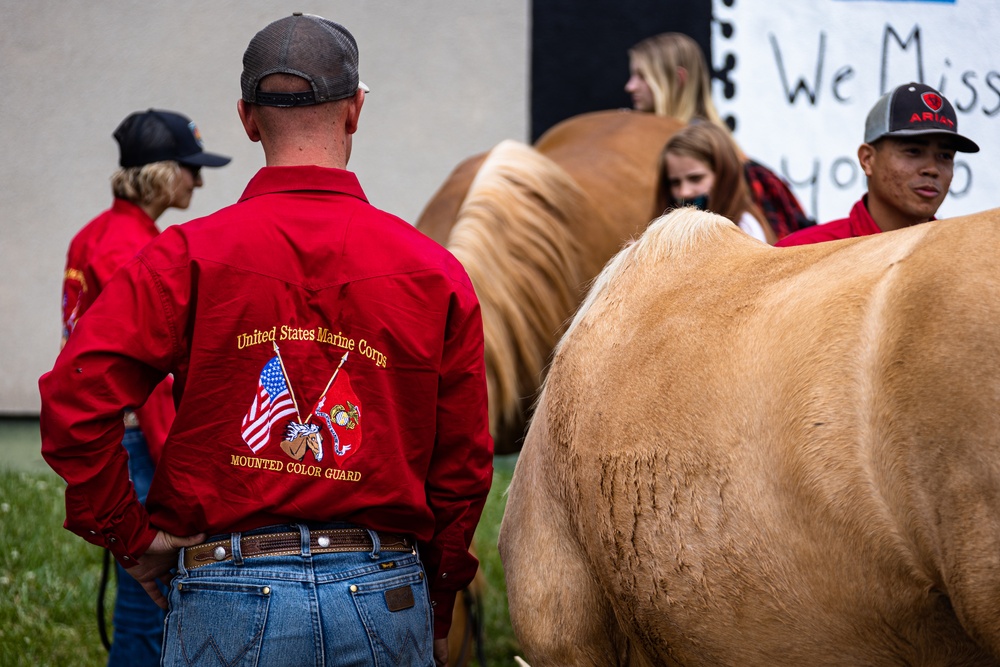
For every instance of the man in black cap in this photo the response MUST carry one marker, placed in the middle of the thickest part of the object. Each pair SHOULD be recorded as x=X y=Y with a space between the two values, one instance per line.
x=911 y=136
x=160 y=161
x=331 y=439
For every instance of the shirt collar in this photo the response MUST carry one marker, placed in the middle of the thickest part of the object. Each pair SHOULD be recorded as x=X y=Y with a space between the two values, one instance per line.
x=865 y=223
x=126 y=208
x=861 y=221
x=270 y=180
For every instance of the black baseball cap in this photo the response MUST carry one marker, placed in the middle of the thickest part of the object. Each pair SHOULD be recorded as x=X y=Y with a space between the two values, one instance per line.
x=316 y=49
x=155 y=135
x=915 y=109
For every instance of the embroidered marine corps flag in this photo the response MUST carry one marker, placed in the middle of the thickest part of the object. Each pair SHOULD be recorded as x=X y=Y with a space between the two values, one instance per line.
x=340 y=411
x=272 y=403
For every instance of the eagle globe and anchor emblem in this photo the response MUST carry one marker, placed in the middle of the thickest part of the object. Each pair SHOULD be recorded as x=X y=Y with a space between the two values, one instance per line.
x=345 y=418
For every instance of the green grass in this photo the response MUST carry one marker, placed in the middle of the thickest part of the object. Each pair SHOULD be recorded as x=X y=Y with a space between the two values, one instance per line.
x=49 y=577
x=499 y=642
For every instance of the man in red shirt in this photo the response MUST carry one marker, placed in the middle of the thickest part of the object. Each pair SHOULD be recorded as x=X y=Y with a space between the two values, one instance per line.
x=911 y=136
x=331 y=437
x=160 y=160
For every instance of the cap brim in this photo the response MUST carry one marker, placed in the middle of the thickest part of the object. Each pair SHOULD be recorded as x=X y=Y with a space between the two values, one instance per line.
x=204 y=159
x=961 y=144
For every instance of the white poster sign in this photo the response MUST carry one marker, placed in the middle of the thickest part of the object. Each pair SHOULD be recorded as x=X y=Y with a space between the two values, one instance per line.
x=799 y=77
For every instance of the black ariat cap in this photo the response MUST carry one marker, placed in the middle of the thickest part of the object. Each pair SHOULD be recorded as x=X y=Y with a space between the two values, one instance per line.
x=153 y=136
x=320 y=51
x=914 y=109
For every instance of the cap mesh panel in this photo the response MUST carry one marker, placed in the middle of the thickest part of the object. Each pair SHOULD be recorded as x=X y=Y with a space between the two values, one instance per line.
x=320 y=51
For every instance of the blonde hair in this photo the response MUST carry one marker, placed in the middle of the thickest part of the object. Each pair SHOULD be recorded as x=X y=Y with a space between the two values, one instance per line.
x=150 y=184
x=518 y=234
x=657 y=60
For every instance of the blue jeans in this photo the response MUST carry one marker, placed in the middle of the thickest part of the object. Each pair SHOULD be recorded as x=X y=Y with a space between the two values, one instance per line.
x=299 y=609
x=138 y=622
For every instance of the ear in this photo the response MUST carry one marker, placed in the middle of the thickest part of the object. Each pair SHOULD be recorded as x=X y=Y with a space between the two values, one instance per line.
x=866 y=157
x=682 y=75
x=354 y=111
x=249 y=121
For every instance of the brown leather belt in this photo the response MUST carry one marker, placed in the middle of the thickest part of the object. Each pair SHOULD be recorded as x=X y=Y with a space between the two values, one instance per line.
x=322 y=541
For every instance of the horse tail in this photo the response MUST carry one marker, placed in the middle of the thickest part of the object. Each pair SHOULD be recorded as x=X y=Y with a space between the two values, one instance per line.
x=519 y=235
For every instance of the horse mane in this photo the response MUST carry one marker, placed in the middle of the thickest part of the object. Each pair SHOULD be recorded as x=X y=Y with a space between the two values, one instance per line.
x=676 y=232
x=519 y=237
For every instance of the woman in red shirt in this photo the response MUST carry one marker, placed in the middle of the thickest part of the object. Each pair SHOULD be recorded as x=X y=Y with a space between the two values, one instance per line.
x=160 y=166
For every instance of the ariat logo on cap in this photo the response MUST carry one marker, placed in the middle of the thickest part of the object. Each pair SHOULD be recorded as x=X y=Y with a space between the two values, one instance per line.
x=932 y=117
x=915 y=109
x=933 y=101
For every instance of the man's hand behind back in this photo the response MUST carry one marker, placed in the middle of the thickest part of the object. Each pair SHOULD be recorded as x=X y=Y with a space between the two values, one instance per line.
x=156 y=563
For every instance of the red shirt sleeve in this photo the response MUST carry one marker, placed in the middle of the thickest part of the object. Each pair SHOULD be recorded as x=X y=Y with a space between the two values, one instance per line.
x=461 y=469
x=109 y=364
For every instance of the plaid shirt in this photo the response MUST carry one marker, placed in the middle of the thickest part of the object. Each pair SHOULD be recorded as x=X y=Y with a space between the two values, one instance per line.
x=775 y=200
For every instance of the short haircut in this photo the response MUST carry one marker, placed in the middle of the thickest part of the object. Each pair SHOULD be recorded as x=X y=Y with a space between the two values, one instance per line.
x=278 y=121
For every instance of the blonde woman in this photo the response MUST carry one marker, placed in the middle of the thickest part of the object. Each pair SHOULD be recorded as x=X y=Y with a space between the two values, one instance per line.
x=160 y=166
x=668 y=76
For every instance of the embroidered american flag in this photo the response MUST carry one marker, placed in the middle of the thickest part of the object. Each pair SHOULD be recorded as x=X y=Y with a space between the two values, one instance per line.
x=272 y=403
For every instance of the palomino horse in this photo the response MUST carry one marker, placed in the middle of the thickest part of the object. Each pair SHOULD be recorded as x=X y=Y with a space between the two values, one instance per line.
x=532 y=226
x=746 y=455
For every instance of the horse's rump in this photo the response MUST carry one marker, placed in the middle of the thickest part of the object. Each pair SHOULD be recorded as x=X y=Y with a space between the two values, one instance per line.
x=441 y=212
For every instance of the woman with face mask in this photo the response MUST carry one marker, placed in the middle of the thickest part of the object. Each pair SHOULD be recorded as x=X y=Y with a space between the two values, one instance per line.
x=700 y=167
x=668 y=76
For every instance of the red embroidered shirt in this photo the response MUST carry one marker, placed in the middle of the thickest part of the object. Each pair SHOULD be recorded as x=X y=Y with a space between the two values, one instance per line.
x=328 y=359
x=95 y=254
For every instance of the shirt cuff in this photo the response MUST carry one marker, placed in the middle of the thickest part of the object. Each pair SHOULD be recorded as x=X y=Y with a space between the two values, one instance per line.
x=443 y=603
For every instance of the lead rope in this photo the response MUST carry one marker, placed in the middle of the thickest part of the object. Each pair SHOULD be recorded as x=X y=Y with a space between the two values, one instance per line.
x=474 y=629
x=477 y=625
x=102 y=587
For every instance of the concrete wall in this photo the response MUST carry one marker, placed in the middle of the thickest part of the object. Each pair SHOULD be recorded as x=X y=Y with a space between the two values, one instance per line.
x=449 y=78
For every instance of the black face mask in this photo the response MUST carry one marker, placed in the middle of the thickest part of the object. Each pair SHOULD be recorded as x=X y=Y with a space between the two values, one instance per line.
x=700 y=202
